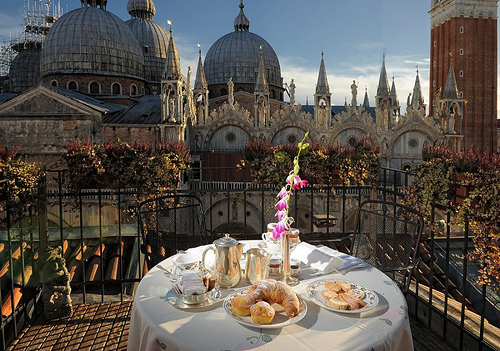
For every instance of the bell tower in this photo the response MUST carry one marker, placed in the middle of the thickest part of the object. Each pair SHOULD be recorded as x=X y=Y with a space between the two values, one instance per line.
x=466 y=32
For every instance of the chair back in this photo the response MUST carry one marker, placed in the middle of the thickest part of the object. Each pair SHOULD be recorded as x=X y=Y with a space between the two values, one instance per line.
x=387 y=236
x=170 y=223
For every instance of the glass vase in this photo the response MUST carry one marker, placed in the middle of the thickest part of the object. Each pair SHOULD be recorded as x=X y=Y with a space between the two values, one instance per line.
x=285 y=256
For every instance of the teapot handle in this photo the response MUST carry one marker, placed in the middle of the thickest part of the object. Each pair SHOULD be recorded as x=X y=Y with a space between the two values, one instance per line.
x=209 y=269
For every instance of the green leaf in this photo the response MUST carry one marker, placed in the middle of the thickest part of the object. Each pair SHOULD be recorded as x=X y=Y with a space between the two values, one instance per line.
x=387 y=321
x=267 y=338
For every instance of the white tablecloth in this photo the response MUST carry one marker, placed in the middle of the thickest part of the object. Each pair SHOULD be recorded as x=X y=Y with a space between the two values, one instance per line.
x=156 y=325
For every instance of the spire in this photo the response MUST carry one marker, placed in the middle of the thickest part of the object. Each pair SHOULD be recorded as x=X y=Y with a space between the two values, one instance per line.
x=200 y=82
x=383 y=83
x=394 y=95
x=172 y=70
x=366 y=101
x=144 y=9
x=322 y=85
x=241 y=23
x=261 y=83
x=451 y=89
x=417 y=98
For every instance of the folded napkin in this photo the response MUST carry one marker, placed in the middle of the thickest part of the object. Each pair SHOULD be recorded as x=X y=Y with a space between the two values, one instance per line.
x=324 y=259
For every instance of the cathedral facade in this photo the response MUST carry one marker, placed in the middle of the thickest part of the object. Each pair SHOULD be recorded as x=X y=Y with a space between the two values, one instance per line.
x=102 y=78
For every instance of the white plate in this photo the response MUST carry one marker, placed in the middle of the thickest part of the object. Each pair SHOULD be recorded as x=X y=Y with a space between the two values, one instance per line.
x=315 y=288
x=280 y=318
x=173 y=299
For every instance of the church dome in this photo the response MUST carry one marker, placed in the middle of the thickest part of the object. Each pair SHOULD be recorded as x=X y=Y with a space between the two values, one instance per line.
x=152 y=37
x=237 y=55
x=91 y=40
x=24 y=72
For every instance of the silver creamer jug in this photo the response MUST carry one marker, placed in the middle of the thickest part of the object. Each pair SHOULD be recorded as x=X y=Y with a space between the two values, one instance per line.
x=226 y=268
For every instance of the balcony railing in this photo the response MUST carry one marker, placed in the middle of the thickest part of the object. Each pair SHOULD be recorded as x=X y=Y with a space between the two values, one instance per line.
x=99 y=235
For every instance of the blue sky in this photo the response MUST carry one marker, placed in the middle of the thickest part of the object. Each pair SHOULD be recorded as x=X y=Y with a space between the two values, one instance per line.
x=353 y=34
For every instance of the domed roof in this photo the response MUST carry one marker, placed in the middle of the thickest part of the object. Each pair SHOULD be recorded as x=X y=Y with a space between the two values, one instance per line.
x=91 y=40
x=237 y=55
x=141 y=8
x=152 y=37
x=24 y=72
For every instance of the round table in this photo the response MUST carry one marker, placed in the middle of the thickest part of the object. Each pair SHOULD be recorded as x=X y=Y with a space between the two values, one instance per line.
x=156 y=325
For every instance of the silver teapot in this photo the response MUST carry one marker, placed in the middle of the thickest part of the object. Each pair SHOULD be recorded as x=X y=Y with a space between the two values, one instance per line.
x=227 y=268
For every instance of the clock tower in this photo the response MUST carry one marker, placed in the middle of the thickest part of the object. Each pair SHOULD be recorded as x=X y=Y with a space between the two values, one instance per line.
x=464 y=33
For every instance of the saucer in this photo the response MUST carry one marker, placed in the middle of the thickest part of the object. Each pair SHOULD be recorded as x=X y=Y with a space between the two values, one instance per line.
x=269 y=248
x=174 y=300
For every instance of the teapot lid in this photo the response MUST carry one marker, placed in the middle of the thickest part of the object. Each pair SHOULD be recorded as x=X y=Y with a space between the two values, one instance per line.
x=226 y=241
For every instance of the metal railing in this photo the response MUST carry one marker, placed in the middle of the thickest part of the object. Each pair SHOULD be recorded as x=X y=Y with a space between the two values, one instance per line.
x=99 y=234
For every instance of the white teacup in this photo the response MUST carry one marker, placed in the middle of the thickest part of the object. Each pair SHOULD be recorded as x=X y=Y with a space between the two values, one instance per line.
x=271 y=244
x=183 y=262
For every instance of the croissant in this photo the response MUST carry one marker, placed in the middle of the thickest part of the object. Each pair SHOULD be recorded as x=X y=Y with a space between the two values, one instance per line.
x=273 y=291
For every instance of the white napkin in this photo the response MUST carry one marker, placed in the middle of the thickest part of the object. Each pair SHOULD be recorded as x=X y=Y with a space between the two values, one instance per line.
x=324 y=259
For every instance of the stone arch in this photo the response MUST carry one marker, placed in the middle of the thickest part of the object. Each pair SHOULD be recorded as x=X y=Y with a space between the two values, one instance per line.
x=405 y=147
x=72 y=85
x=133 y=90
x=422 y=129
x=239 y=128
x=217 y=214
x=358 y=129
x=94 y=87
x=287 y=124
x=116 y=88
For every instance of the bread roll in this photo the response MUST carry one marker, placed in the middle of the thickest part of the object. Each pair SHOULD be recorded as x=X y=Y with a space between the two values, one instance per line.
x=240 y=304
x=262 y=313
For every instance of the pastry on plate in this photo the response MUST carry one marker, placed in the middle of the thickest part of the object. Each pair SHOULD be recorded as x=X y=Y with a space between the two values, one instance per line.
x=262 y=313
x=240 y=304
x=273 y=291
x=340 y=295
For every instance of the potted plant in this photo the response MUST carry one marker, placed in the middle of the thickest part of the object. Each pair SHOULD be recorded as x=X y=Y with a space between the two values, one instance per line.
x=119 y=165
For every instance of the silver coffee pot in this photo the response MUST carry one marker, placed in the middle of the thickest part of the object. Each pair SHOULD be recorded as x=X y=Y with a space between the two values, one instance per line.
x=227 y=268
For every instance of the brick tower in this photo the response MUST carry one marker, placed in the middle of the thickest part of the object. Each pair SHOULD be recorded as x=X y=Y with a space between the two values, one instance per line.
x=465 y=32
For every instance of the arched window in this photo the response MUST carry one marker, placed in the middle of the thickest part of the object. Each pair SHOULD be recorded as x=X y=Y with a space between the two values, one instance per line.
x=133 y=90
x=54 y=83
x=94 y=88
x=116 y=89
x=72 y=86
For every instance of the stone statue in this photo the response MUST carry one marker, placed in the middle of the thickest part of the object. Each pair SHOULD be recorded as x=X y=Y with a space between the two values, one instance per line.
x=292 y=93
x=354 y=92
x=262 y=113
x=172 y=109
x=56 y=290
x=323 y=118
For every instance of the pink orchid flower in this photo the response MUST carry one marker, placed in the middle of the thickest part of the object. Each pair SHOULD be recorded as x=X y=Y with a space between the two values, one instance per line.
x=281 y=205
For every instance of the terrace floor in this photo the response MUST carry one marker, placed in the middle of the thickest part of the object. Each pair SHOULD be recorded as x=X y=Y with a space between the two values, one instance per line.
x=104 y=326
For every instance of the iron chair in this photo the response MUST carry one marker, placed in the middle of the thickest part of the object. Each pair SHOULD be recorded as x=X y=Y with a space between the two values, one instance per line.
x=387 y=236
x=171 y=223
